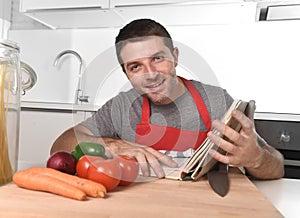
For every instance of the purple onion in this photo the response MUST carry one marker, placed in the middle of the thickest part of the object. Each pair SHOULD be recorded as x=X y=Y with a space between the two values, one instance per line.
x=62 y=161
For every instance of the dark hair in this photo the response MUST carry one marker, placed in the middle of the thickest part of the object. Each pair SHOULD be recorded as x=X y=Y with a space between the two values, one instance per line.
x=139 y=28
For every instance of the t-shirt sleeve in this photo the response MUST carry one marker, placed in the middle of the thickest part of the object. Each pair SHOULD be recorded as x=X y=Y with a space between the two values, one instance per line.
x=101 y=123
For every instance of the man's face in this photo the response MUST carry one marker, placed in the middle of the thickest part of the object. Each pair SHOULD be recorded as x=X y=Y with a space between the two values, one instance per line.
x=150 y=66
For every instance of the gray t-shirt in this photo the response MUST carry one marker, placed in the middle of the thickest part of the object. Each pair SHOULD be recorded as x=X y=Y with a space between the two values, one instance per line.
x=119 y=116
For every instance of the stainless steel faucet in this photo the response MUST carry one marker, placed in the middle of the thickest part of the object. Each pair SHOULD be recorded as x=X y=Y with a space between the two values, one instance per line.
x=79 y=92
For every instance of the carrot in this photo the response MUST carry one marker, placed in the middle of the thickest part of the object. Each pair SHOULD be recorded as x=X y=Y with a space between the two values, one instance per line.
x=91 y=188
x=34 y=181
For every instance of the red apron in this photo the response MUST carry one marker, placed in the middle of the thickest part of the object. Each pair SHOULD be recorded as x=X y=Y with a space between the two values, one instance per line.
x=169 y=138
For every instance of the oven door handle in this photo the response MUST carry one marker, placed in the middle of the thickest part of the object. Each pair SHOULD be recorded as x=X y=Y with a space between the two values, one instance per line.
x=292 y=163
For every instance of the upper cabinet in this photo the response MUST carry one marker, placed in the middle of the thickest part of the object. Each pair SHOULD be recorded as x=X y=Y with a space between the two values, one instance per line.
x=122 y=3
x=62 y=14
x=69 y=13
x=30 y=5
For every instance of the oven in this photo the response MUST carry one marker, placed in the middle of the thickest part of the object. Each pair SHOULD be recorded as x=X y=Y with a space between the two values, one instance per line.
x=284 y=135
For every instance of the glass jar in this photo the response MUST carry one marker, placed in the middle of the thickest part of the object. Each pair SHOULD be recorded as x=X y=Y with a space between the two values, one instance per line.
x=10 y=90
x=10 y=78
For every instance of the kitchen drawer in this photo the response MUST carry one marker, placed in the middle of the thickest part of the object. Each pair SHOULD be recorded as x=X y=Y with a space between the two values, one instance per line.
x=283 y=135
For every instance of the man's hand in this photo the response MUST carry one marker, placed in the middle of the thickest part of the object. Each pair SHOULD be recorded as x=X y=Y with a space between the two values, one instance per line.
x=147 y=157
x=242 y=148
x=261 y=162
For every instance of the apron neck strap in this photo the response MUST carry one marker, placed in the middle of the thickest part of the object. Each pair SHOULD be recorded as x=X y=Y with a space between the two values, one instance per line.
x=145 y=110
x=202 y=109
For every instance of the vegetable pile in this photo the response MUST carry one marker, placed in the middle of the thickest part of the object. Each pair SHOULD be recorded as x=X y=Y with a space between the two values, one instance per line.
x=86 y=171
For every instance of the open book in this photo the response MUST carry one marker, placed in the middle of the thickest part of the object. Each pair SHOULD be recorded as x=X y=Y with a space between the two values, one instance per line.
x=201 y=162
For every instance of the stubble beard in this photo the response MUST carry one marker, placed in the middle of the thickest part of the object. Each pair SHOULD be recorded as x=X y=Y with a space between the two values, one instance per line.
x=164 y=97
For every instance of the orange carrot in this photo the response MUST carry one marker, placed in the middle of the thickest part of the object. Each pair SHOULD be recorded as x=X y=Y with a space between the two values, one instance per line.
x=34 y=181
x=91 y=188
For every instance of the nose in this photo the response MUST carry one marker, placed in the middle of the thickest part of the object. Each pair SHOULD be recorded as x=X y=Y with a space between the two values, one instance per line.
x=150 y=71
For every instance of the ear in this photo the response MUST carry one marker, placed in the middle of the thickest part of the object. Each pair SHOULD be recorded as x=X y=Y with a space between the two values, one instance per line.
x=175 y=55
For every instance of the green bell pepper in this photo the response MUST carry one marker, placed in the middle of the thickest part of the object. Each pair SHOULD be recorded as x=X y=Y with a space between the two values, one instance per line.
x=88 y=148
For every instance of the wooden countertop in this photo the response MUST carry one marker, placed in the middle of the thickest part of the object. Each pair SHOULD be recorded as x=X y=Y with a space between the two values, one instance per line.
x=158 y=198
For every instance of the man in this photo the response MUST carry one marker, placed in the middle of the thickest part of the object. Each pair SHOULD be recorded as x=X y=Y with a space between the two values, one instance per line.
x=166 y=112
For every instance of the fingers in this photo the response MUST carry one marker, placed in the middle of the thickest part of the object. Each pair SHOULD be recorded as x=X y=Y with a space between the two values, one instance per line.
x=250 y=109
x=219 y=157
x=228 y=141
x=247 y=128
x=228 y=147
x=154 y=160
x=147 y=160
x=230 y=133
x=147 y=157
x=222 y=143
x=141 y=159
x=164 y=159
x=235 y=143
x=247 y=124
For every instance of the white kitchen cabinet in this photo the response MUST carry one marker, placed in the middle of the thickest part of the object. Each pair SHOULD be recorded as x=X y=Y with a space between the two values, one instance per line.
x=30 y=5
x=192 y=14
x=116 y=13
x=4 y=18
x=70 y=13
x=121 y=3
x=38 y=130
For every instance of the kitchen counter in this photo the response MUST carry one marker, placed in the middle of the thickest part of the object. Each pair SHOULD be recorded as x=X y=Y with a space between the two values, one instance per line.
x=156 y=198
x=59 y=106
x=92 y=108
x=283 y=193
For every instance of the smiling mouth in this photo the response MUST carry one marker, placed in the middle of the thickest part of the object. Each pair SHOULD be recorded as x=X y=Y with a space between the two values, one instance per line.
x=155 y=85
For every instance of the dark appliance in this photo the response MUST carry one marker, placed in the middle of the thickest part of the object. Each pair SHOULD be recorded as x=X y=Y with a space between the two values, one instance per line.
x=285 y=137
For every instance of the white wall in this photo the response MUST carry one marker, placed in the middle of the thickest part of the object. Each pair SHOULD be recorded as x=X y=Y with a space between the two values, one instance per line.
x=255 y=61
x=252 y=61
x=39 y=49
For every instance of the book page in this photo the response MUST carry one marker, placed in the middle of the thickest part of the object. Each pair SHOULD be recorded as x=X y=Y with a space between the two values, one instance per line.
x=171 y=173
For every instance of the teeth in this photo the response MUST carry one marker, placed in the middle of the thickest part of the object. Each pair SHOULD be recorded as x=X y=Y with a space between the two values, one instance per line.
x=155 y=85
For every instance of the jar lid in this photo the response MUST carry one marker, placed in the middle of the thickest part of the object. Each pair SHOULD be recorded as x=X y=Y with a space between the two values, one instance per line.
x=10 y=44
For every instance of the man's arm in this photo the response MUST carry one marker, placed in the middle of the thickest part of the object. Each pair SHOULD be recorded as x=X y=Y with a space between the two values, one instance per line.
x=269 y=166
x=71 y=137
x=65 y=142
x=261 y=162
x=146 y=156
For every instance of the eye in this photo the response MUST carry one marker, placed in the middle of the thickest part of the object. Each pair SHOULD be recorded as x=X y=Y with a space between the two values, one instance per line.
x=134 y=67
x=158 y=58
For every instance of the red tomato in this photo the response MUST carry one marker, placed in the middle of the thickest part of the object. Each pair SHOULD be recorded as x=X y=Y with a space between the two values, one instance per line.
x=106 y=172
x=83 y=165
x=130 y=169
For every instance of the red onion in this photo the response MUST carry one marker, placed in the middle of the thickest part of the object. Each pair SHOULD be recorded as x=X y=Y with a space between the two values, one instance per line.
x=62 y=161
